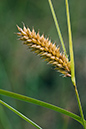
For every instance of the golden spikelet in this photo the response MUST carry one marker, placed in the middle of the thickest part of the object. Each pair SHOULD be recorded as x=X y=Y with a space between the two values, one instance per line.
x=45 y=48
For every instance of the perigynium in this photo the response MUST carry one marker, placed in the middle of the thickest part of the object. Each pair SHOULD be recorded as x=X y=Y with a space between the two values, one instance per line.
x=46 y=49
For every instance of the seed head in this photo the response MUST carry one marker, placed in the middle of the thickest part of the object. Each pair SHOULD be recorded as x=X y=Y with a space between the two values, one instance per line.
x=46 y=49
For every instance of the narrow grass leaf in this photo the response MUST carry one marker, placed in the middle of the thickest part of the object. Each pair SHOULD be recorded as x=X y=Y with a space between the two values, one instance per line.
x=40 y=103
x=57 y=26
x=20 y=114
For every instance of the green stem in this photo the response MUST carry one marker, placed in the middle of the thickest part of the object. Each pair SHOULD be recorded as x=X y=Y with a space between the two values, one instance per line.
x=72 y=63
x=57 y=26
x=80 y=107
x=20 y=114
x=70 y=45
x=41 y=103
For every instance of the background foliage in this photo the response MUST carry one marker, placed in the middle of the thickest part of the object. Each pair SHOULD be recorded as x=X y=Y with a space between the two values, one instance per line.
x=23 y=72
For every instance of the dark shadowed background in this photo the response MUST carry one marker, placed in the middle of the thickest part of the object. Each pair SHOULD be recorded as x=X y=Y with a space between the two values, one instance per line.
x=23 y=72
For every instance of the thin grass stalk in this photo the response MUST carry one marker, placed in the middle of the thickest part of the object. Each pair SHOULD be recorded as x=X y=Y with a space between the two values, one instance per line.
x=70 y=45
x=20 y=114
x=72 y=63
x=57 y=27
x=80 y=107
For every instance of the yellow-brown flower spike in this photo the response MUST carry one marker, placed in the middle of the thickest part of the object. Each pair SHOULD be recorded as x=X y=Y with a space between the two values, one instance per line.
x=45 y=48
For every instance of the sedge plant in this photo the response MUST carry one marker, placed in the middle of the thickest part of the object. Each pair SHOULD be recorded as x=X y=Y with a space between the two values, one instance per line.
x=51 y=53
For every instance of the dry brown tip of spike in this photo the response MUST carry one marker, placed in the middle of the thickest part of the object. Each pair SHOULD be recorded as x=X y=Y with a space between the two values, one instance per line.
x=46 y=49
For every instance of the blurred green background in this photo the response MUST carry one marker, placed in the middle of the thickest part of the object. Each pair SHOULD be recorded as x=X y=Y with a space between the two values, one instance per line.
x=23 y=72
